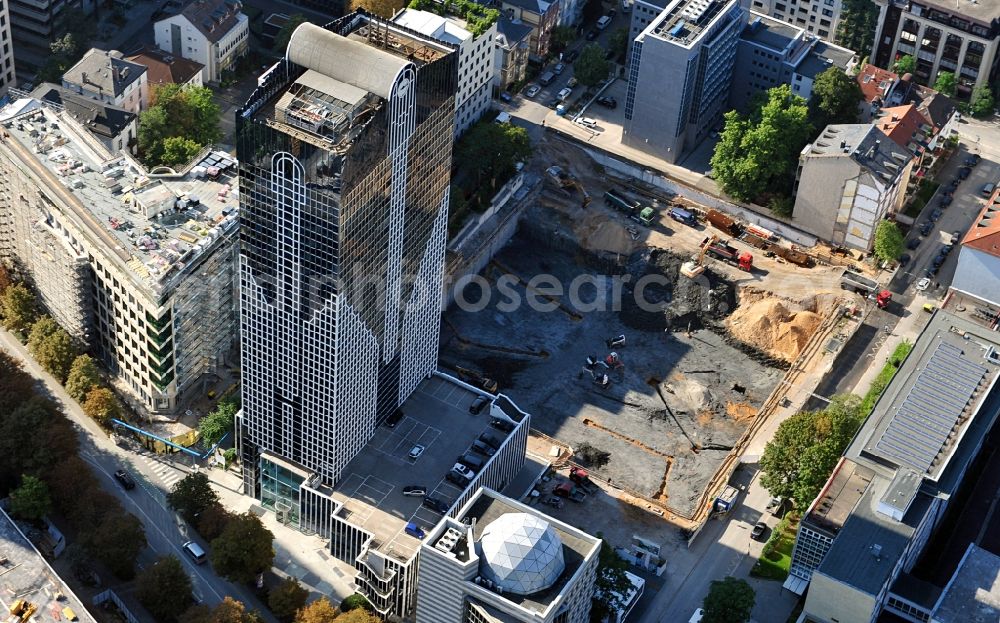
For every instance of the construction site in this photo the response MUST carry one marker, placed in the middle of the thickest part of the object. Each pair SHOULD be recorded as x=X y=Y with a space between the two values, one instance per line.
x=657 y=365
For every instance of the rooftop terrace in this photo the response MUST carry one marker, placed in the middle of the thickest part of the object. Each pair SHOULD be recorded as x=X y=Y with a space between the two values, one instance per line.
x=155 y=223
x=684 y=21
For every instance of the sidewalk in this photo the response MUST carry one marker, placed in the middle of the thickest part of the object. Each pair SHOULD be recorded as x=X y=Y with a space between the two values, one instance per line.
x=908 y=328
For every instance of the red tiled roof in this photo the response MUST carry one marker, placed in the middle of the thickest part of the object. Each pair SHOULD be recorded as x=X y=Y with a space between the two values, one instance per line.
x=984 y=235
x=163 y=68
x=875 y=82
x=902 y=124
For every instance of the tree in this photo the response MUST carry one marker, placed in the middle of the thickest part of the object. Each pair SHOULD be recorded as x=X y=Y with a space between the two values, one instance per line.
x=856 y=29
x=51 y=347
x=216 y=424
x=33 y=437
x=229 y=611
x=905 y=65
x=31 y=500
x=611 y=584
x=889 y=241
x=946 y=83
x=16 y=385
x=179 y=150
x=18 y=308
x=382 y=8
x=358 y=615
x=835 y=98
x=592 y=11
x=287 y=598
x=65 y=53
x=191 y=495
x=6 y=280
x=116 y=541
x=781 y=204
x=562 y=36
x=285 y=34
x=355 y=601
x=728 y=601
x=490 y=152
x=101 y=405
x=982 y=102
x=179 y=112
x=591 y=68
x=618 y=43
x=165 y=589
x=83 y=376
x=244 y=549
x=759 y=153
x=69 y=480
x=213 y=521
x=319 y=611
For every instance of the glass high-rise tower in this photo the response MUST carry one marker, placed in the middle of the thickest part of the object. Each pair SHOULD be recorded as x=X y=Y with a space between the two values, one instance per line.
x=345 y=158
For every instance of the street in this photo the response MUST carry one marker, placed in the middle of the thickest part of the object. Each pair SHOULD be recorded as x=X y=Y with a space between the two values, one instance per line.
x=165 y=532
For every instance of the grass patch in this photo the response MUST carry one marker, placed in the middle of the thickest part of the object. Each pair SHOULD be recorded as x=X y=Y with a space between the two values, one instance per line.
x=924 y=194
x=776 y=558
x=884 y=376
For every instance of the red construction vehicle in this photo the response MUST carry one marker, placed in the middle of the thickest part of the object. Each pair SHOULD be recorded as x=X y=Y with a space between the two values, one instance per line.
x=883 y=299
x=581 y=478
x=721 y=249
x=569 y=491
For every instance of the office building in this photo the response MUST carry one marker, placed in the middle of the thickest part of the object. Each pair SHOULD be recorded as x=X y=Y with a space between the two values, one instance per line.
x=214 y=33
x=8 y=75
x=848 y=180
x=817 y=17
x=107 y=77
x=476 y=60
x=861 y=539
x=541 y=16
x=138 y=266
x=115 y=127
x=679 y=73
x=511 y=53
x=34 y=24
x=958 y=36
x=500 y=560
x=772 y=53
x=346 y=160
x=973 y=593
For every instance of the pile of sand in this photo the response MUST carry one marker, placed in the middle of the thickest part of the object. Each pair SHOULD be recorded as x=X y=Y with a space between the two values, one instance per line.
x=773 y=325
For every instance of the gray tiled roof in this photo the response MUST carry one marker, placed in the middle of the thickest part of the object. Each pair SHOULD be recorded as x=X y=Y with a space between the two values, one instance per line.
x=105 y=71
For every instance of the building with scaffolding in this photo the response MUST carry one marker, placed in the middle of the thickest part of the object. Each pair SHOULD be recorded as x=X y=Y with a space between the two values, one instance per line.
x=137 y=265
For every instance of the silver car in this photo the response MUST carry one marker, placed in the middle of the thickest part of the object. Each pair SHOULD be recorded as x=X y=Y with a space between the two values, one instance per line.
x=532 y=90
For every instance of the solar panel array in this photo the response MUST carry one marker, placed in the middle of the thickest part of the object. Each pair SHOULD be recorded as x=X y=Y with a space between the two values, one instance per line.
x=939 y=394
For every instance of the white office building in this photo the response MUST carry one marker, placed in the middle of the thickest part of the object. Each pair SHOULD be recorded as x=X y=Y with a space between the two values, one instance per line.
x=476 y=60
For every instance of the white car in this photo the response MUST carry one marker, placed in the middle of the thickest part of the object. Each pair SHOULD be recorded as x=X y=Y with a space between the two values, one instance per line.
x=532 y=90
x=415 y=452
x=464 y=471
x=923 y=284
x=563 y=94
x=586 y=122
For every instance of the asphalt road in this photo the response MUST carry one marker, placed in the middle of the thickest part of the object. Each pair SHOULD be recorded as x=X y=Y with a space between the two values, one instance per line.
x=165 y=531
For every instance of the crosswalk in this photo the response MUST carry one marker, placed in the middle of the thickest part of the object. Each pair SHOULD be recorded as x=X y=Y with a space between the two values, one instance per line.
x=165 y=473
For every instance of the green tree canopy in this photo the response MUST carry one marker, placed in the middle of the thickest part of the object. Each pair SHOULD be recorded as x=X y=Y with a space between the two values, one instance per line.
x=117 y=541
x=352 y=602
x=228 y=611
x=31 y=500
x=18 y=307
x=285 y=34
x=191 y=496
x=618 y=42
x=216 y=424
x=982 y=103
x=244 y=549
x=69 y=480
x=889 y=241
x=591 y=68
x=489 y=153
x=33 y=437
x=946 y=83
x=729 y=600
x=835 y=98
x=213 y=521
x=759 y=153
x=51 y=347
x=610 y=585
x=319 y=611
x=286 y=599
x=179 y=112
x=101 y=405
x=856 y=29
x=16 y=385
x=83 y=377
x=165 y=590
x=562 y=36
x=904 y=65
x=806 y=447
x=179 y=150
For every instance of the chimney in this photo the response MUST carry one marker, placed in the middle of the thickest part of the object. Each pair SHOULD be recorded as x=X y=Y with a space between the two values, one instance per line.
x=83 y=76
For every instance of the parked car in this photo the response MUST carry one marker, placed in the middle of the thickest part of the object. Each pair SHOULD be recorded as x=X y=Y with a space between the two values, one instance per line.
x=926 y=228
x=125 y=479
x=571 y=56
x=945 y=201
x=478 y=405
x=415 y=490
x=987 y=189
x=956 y=236
x=757 y=534
x=563 y=94
x=972 y=160
x=572 y=82
x=532 y=90
x=558 y=69
x=912 y=243
x=904 y=259
x=415 y=452
x=935 y=215
x=964 y=173
x=414 y=530
x=503 y=425
x=923 y=284
x=507 y=97
x=483 y=448
x=607 y=101
x=435 y=505
x=587 y=122
x=456 y=479
x=490 y=440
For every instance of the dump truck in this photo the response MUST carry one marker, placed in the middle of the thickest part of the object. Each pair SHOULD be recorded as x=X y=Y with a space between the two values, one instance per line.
x=722 y=250
x=856 y=282
x=632 y=209
x=570 y=491
x=724 y=222
x=726 y=500
x=581 y=478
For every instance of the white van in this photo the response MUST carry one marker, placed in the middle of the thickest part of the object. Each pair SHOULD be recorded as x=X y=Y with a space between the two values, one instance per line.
x=195 y=551
x=697 y=616
x=603 y=22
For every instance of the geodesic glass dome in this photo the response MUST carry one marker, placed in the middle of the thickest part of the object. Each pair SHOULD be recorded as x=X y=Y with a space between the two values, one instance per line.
x=521 y=553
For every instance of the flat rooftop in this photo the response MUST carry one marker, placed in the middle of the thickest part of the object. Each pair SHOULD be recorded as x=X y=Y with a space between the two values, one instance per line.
x=436 y=417
x=486 y=508
x=155 y=223
x=770 y=33
x=973 y=594
x=980 y=10
x=683 y=21
x=837 y=500
x=24 y=574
